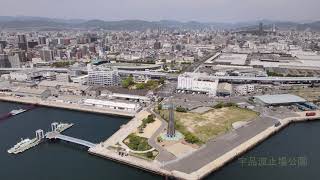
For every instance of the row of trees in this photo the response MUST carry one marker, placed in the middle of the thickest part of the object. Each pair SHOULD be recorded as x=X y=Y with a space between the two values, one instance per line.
x=151 y=84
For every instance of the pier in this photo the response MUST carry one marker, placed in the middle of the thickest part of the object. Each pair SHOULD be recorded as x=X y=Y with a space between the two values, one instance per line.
x=55 y=133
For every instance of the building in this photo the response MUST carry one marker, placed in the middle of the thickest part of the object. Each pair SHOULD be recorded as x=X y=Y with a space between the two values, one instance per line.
x=32 y=44
x=31 y=92
x=15 y=61
x=157 y=45
x=22 y=42
x=46 y=54
x=130 y=97
x=42 y=40
x=113 y=105
x=1 y=48
x=198 y=82
x=26 y=75
x=4 y=61
x=63 y=77
x=224 y=89
x=22 y=38
x=65 y=88
x=80 y=79
x=244 y=89
x=278 y=99
x=103 y=77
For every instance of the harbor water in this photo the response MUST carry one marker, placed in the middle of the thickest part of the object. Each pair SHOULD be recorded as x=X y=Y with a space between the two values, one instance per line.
x=297 y=143
x=60 y=160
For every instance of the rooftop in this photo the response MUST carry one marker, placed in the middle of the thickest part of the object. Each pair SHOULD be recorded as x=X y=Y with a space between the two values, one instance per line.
x=280 y=99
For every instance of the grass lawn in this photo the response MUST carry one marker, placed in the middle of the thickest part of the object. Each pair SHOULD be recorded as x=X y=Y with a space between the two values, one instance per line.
x=210 y=124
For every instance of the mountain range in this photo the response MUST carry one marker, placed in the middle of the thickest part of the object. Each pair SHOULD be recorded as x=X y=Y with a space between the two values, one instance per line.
x=43 y=23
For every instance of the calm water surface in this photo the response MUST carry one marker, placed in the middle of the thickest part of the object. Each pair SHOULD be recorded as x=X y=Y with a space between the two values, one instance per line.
x=64 y=161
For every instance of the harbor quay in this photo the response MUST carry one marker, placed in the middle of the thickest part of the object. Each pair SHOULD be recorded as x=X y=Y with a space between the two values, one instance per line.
x=161 y=168
x=76 y=107
x=174 y=168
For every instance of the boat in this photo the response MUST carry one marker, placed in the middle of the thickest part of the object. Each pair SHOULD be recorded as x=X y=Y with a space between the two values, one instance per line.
x=19 y=145
x=17 y=111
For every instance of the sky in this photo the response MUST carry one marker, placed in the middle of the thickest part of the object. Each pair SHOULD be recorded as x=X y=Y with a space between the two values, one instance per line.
x=153 y=10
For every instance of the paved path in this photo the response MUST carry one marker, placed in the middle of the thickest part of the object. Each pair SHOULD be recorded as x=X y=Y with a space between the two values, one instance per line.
x=126 y=129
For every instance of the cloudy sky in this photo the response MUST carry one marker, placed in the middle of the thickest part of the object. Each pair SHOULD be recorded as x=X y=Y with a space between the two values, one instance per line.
x=183 y=10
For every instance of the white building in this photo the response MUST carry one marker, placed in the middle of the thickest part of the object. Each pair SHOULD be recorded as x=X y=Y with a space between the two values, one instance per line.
x=81 y=79
x=113 y=105
x=31 y=92
x=103 y=77
x=198 y=82
x=244 y=89
x=63 y=77
x=24 y=75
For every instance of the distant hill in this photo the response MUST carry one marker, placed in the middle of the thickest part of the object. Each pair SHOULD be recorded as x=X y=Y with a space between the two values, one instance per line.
x=21 y=22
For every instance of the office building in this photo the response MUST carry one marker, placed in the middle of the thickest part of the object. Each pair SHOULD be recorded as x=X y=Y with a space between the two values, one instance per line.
x=46 y=54
x=103 y=77
x=4 y=61
x=22 y=42
x=42 y=40
x=15 y=61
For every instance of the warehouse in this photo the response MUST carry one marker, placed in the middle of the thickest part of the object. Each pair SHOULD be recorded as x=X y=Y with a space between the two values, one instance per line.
x=123 y=106
x=278 y=100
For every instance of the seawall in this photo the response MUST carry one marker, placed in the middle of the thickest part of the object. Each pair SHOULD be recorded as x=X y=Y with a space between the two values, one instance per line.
x=73 y=107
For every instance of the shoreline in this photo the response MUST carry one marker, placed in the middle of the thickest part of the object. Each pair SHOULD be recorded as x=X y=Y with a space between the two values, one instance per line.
x=72 y=107
x=223 y=160
x=156 y=167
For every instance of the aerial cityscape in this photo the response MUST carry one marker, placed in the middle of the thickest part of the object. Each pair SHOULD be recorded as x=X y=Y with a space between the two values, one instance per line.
x=138 y=91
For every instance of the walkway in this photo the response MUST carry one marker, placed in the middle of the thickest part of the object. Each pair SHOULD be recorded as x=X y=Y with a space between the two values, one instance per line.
x=56 y=135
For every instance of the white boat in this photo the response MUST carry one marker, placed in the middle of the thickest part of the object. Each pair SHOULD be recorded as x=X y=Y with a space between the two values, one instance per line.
x=17 y=111
x=22 y=143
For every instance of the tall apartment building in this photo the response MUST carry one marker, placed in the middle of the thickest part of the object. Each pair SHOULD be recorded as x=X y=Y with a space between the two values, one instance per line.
x=42 y=40
x=15 y=61
x=46 y=54
x=103 y=77
x=4 y=61
x=22 y=42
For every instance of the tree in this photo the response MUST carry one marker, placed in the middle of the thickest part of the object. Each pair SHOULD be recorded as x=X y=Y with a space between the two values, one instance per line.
x=190 y=138
x=140 y=86
x=181 y=109
x=149 y=155
x=162 y=79
x=127 y=82
x=150 y=118
x=159 y=106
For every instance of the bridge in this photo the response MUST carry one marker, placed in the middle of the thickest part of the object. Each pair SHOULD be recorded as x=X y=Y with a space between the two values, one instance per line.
x=57 y=135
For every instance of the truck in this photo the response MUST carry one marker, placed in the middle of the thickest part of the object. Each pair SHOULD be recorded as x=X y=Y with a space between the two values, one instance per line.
x=310 y=114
